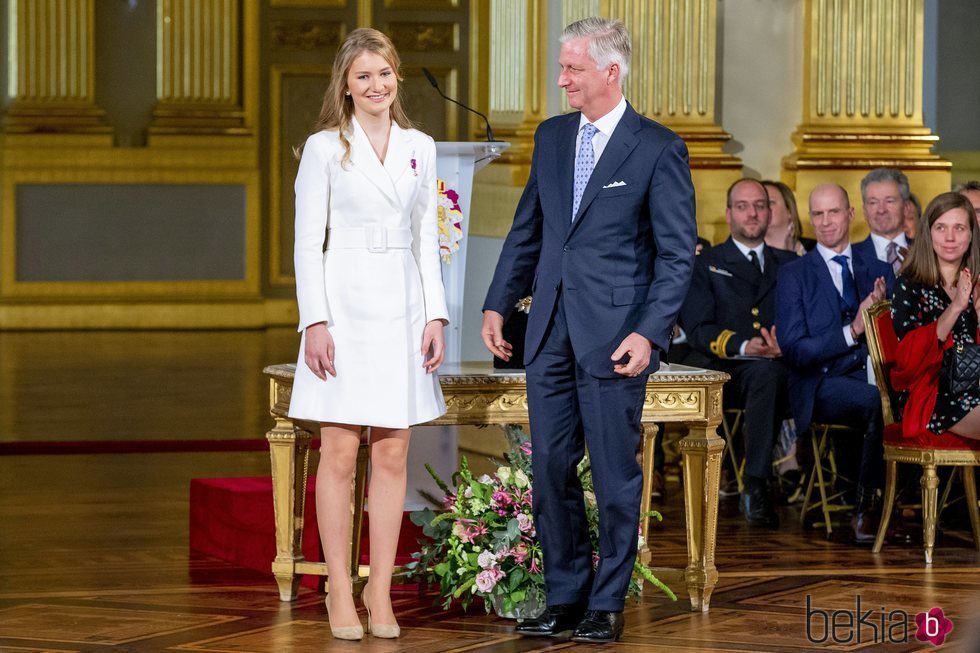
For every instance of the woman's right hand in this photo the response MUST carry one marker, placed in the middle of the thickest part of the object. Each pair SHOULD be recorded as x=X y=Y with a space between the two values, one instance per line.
x=964 y=288
x=319 y=350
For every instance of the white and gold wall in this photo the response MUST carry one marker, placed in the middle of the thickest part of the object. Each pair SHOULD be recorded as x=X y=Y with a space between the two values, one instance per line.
x=146 y=146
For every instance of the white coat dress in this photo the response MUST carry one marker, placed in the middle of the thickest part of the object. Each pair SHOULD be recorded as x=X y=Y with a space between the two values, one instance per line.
x=376 y=284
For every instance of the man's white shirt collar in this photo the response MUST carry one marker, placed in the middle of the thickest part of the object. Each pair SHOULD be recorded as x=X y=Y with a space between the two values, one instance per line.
x=881 y=244
x=608 y=122
x=758 y=249
x=828 y=254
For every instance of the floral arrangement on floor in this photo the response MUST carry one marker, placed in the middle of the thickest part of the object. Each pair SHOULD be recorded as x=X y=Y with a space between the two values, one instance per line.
x=450 y=221
x=482 y=542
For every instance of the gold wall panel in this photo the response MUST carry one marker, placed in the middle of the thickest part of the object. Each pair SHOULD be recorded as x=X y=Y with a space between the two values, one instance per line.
x=295 y=96
x=424 y=37
x=421 y=4
x=331 y=4
x=199 y=59
x=13 y=289
x=306 y=35
x=51 y=66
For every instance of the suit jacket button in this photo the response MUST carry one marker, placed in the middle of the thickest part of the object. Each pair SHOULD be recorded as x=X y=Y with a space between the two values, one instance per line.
x=824 y=370
x=755 y=311
x=565 y=248
x=756 y=325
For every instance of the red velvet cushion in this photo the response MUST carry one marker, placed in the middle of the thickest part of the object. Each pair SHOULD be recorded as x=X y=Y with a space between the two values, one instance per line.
x=928 y=440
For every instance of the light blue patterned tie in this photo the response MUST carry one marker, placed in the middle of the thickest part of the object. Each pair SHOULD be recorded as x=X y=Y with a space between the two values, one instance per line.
x=584 y=163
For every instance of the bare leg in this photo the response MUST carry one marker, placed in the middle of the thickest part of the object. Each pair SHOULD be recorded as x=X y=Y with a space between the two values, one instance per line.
x=335 y=474
x=386 y=503
x=969 y=426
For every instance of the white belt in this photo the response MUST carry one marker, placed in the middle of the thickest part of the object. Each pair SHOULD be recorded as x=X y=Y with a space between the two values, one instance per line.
x=373 y=239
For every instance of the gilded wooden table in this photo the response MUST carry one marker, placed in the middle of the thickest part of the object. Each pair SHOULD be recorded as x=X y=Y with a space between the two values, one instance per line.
x=478 y=395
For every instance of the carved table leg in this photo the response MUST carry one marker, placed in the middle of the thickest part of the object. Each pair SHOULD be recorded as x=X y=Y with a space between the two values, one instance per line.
x=289 y=447
x=701 y=454
x=647 y=446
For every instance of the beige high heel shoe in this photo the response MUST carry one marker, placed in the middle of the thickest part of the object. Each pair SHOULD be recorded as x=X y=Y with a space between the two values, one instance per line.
x=344 y=632
x=384 y=631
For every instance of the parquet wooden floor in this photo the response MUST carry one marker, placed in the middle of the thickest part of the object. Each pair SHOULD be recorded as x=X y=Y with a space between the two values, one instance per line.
x=94 y=556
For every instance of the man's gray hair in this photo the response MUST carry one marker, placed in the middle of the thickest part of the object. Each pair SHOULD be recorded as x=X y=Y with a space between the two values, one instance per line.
x=609 y=42
x=967 y=186
x=887 y=174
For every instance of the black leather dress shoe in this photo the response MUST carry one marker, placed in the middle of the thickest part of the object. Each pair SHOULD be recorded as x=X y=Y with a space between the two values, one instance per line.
x=555 y=621
x=600 y=626
x=757 y=508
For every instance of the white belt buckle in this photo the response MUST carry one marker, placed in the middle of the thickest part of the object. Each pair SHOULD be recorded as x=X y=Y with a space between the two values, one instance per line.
x=377 y=239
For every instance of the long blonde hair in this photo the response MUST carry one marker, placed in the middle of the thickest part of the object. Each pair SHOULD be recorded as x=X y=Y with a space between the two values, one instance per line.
x=338 y=107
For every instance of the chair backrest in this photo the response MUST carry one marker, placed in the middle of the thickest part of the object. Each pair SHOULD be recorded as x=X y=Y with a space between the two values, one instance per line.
x=883 y=347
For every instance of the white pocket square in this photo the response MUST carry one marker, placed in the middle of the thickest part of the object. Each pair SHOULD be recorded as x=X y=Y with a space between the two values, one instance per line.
x=724 y=273
x=615 y=184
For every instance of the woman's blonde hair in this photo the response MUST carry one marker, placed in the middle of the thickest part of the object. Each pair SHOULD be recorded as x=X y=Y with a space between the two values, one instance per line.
x=922 y=265
x=338 y=106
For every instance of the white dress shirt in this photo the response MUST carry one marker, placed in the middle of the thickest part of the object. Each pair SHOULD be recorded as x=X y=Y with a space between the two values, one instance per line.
x=881 y=245
x=604 y=128
x=758 y=249
x=837 y=276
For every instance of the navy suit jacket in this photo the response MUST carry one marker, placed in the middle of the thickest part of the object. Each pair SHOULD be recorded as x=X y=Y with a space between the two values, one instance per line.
x=866 y=250
x=810 y=325
x=625 y=263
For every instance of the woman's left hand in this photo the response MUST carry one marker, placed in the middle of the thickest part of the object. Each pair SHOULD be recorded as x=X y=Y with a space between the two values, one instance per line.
x=433 y=346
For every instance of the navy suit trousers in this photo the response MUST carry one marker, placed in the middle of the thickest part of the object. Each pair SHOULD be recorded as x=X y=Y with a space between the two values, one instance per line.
x=850 y=400
x=569 y=410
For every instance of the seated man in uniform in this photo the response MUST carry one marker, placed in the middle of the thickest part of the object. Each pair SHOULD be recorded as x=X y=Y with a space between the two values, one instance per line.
x=728 y=318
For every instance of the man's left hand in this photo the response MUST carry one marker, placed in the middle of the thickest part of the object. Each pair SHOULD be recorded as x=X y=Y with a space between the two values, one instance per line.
x=639 y=349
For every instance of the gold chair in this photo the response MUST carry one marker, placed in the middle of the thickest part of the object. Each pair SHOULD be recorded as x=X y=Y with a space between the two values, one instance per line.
x=922 y=449
x=824 y=476
x=731 y=421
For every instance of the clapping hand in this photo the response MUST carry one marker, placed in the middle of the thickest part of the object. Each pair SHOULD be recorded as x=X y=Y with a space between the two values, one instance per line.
x=876 y=295
x=764 y=345
x=964 y=288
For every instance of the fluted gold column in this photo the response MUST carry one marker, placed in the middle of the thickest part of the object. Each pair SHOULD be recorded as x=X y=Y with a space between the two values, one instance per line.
x=51 y=63
x=672 y=80
x=516 y=73
x=862 y=102
x=198 y=68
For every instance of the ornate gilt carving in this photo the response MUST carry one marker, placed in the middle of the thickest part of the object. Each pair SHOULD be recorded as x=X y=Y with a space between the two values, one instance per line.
x=306 y=35
x=424 y=37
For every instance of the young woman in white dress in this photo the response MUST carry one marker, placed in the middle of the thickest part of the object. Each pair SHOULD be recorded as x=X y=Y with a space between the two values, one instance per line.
x=372 y=310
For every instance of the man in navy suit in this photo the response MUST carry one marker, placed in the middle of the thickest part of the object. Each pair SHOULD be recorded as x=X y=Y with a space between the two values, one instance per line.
x=819 y=302
x=885 y=196
x=605 y=228
x=728 y=319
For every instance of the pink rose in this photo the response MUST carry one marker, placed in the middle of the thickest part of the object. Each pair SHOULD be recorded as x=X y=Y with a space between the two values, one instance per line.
x=525 y=523
x=486 y=580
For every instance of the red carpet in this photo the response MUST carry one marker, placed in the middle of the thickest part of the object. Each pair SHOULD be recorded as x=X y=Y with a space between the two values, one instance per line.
x=232 y=519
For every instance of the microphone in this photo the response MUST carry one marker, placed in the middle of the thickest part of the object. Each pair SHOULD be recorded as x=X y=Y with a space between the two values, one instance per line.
x=435 y=85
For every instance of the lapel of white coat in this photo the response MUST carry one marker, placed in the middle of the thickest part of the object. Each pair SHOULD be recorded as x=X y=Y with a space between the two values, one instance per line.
x=366 y=162
x=400 y=158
